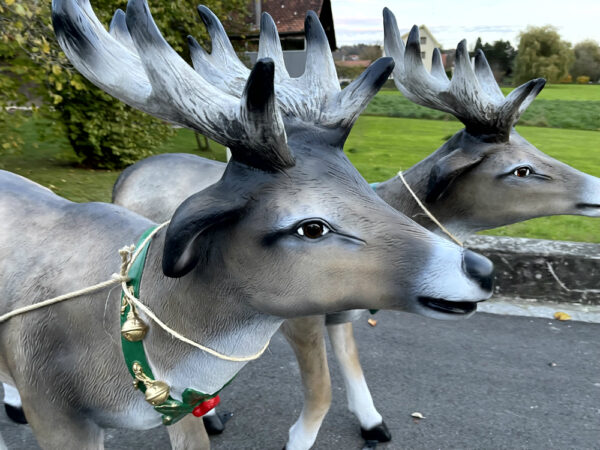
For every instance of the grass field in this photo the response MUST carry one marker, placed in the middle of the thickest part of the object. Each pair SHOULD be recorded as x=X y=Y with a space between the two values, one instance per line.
x=50 y=162
x=562 y=106
x=572 y=92
x=378 y=146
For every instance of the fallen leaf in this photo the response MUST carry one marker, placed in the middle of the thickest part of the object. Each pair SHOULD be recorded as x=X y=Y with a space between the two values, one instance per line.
x=559 y=315
x=417 y=415
x=372 y=322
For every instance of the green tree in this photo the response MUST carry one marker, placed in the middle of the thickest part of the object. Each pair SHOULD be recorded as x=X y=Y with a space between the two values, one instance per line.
x=542 y=53
x=35 y=72
x=501 y=56
x=587 y=60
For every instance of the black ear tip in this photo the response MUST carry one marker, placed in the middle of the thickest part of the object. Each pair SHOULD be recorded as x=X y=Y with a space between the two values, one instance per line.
x=264 y=65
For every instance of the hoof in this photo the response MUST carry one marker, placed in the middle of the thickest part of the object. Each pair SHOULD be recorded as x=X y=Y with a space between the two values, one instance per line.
x=15 y=413
x=216 y=424
x=379 y=433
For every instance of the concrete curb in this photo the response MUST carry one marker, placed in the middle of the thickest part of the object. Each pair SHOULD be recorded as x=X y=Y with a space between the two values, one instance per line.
x=530 y=270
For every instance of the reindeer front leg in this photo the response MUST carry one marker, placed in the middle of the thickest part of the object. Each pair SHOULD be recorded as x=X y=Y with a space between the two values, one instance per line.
x=360 y=402
x=57 y=428
x=188 y=433
x=306 y=336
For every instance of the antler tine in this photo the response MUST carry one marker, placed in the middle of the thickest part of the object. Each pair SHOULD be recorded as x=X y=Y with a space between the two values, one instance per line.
x=437 y=67
x=269 y=46
x=226 y=81
x=319 y=73
x=222 y=54
x=264 y=123
x=519 y=99
x=421 y=87
x=392 y=42
x=186 y=97
x=351 y=101
x=486 y=77
x=118 y=30
x=93 y=52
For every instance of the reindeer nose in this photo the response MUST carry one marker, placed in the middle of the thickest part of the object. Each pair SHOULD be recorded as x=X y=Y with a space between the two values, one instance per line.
x=479 y=269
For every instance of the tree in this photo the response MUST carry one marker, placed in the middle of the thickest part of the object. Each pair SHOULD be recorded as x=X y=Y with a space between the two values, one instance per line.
x=542 y=53
x=587 y=60
x=102 y=131
x=500 y=55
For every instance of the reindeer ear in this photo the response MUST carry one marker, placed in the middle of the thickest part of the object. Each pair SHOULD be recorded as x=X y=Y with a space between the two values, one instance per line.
x=189 y=233
x=447 y=169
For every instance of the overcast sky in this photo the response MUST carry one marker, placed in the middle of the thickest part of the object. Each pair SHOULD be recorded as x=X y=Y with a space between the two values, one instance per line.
x=360 y=21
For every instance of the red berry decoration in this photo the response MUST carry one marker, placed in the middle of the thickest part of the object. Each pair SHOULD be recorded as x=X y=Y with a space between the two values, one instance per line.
x=206 y=406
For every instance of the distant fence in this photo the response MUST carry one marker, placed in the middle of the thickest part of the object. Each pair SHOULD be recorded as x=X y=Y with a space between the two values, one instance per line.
x=549 y=271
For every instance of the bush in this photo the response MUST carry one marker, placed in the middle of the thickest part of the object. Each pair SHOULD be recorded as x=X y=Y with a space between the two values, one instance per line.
x=103 y=132
x=583 y=79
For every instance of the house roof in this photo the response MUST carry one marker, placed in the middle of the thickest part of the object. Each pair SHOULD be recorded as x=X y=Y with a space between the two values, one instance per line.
x=429 y=33
x=289 y=14
x=354 y=63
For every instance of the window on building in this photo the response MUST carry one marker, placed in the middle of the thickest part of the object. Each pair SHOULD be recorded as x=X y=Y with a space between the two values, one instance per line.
x=422 y=55
x=423 y=40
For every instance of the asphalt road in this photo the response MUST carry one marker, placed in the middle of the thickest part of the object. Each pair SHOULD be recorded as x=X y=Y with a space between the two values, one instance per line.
x=493 y=382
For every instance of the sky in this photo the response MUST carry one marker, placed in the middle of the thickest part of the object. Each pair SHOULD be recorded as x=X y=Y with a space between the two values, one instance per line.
x=360 y=21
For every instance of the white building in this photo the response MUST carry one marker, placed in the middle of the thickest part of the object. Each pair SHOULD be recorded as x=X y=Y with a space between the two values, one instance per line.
x=428 y=43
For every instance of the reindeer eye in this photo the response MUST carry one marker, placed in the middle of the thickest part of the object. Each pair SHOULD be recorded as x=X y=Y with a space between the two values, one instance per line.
x=313 y=229
x=522 y=172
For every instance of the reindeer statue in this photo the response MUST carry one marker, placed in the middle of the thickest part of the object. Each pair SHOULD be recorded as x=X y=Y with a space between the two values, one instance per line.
x=290 y=229
x=485 y=176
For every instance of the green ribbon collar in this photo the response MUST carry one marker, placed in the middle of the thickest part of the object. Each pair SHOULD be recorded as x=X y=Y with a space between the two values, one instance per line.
x=191 y=400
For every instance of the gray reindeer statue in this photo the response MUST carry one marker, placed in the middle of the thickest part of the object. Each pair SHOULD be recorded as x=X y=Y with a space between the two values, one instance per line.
x=483 y=177
x=290 y=229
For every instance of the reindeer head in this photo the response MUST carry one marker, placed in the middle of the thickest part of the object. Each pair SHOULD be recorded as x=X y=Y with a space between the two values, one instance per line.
x=486 y=175
x=291 y=228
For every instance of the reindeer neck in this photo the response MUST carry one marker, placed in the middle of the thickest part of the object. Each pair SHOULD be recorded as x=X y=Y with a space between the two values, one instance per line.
x=205 y=308
x=395 y=193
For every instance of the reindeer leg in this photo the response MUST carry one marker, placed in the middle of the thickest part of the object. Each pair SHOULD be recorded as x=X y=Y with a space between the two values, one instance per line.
x=55 y=428
x=306 y=336
x=360 y=402
x=12 y=404
x=188 y=433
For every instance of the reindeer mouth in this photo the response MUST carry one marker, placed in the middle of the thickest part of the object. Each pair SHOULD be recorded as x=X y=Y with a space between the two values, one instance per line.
x=447 y=307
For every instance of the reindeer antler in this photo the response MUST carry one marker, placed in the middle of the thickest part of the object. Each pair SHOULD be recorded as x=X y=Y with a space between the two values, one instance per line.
x=152 y=77
x=472 y=96
x=315 y=97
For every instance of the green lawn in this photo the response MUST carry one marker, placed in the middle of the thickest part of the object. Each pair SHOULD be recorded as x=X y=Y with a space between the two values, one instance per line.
x=567 y=106
x=50 y=162
x=577 y=92
x=378 y=146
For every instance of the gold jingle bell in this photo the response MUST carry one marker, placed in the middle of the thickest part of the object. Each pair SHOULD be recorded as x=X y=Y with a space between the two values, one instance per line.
x=134 y=329
x=157 y=392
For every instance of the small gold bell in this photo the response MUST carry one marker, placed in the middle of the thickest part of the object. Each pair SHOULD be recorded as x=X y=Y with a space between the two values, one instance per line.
x=157 y=392
x=134 y=329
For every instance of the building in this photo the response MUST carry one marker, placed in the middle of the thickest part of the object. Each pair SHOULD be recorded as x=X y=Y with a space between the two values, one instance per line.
x=428 y=43
x=289 y=17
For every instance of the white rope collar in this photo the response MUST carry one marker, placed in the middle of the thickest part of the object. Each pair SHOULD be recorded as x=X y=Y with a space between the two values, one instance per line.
x=128 y=255
x=426 y=211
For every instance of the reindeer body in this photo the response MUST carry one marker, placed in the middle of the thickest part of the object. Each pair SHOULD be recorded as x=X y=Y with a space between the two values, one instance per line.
x=289 y=229
x=469 y=184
